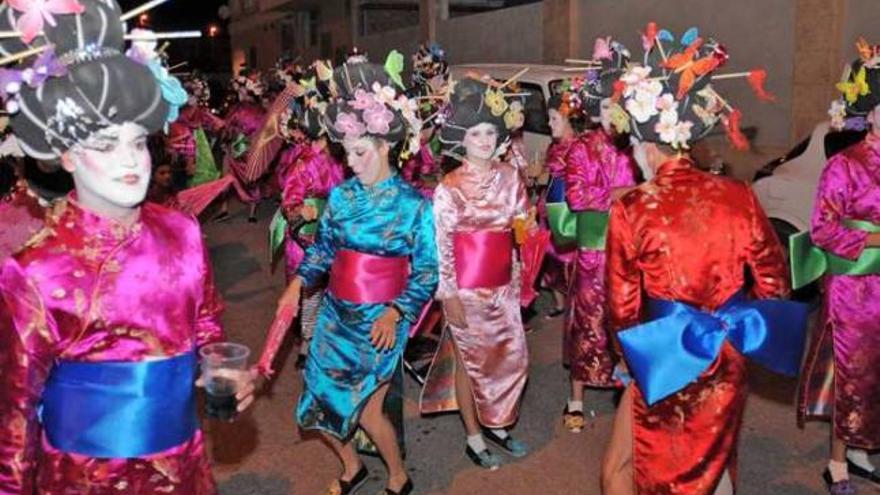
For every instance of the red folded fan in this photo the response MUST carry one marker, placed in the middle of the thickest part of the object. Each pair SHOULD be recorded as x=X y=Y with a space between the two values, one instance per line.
x=277 y=332
x=532 y=255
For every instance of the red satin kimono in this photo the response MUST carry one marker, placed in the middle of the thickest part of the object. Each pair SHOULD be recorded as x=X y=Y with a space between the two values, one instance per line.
x=688 y=236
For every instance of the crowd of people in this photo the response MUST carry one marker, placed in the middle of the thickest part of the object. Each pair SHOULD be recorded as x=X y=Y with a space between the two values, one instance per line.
x=399 y=198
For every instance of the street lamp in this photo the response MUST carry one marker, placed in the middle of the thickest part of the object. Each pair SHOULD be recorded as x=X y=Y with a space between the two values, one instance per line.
x=213 y=31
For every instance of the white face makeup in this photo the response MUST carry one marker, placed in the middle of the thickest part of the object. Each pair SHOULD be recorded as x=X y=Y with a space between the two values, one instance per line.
x=480 y=141
x=558 y=124
x=874 y=120
x=364 y=157
x=111 y=169
x=640 y=155
x=605 y=114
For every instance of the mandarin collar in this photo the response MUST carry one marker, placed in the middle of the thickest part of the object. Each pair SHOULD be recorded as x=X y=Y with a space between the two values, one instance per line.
x=382 y=185
x=483 y=178
x=76 y=216
x=675 y=165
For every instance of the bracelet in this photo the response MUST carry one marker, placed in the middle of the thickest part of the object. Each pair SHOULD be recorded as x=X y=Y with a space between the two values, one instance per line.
x=395 y=307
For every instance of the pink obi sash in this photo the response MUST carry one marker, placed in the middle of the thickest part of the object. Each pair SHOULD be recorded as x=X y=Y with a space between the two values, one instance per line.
x=367 y=279
x=483 y=258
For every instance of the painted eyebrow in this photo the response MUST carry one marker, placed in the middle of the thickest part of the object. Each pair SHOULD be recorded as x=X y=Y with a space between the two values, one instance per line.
x=107 y=133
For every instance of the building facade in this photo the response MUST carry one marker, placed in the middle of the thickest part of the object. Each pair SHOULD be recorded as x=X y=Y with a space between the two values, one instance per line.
x=263 y=30
x=802 y=43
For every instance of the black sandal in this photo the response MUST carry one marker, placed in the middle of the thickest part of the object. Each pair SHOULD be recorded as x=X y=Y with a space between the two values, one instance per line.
x=406 y=489
x=863 y=473
x=843 y=487
x=343 y=487
x=510 y=445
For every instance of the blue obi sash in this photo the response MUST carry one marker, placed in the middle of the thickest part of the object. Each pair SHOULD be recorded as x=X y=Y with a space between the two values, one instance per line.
x=120 y=409
x=680 y=342
x=556 y=190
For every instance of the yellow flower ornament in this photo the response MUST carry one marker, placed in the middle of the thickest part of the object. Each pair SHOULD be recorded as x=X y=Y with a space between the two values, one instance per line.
x=515 y=116
x=496 y=102
x=619 y=118
x=855 y=88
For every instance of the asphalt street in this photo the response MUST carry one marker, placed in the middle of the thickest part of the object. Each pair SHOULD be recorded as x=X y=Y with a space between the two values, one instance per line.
x=264 y=453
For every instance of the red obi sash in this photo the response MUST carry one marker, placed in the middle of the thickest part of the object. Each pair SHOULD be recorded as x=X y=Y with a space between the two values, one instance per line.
x=367 y=279
x=483 y=259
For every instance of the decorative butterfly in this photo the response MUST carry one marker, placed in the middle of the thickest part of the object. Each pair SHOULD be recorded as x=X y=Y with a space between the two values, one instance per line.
x=298 y=90
x=690 y=70
x=690 y=36
x=309 y=85
x=324 y=71
x=687 y=38
x=36 y=13
x=394 y=67
x=602 y=49
x=857 y=86
x=867 y=52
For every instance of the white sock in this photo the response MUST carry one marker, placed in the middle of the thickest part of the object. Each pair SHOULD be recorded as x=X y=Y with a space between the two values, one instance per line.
x=499 y=432
x=575 y=406
x=838 y=471
x=725 y=486
x=476 y=443
x=860 y=458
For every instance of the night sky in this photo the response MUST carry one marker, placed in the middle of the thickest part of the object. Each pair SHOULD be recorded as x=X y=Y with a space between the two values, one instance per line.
x=180 y=14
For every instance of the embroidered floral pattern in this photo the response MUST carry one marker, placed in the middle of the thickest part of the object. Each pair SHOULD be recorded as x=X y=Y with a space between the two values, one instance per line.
x=34 y=13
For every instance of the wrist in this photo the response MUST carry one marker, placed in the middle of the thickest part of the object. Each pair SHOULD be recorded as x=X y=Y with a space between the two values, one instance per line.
x=395 y=312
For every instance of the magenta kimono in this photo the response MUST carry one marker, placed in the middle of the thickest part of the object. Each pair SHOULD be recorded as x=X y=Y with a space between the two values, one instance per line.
x=474 y=212
x=243 y=123
x=21 y=216
x=557 y=266
x=594 y=168
x=287 y=161
x=182 y=134
x=313 y=175
x=90 y=292
x=849 y=190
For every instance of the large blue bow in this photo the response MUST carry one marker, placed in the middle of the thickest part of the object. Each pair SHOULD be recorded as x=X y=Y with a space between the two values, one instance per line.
x=666 y=354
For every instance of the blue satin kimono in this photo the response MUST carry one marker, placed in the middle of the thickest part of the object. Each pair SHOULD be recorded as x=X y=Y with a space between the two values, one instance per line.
x=344 y=369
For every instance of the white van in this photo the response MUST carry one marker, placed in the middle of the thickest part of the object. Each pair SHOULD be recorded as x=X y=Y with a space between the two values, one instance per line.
x=786 y=187
x=539 y=82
